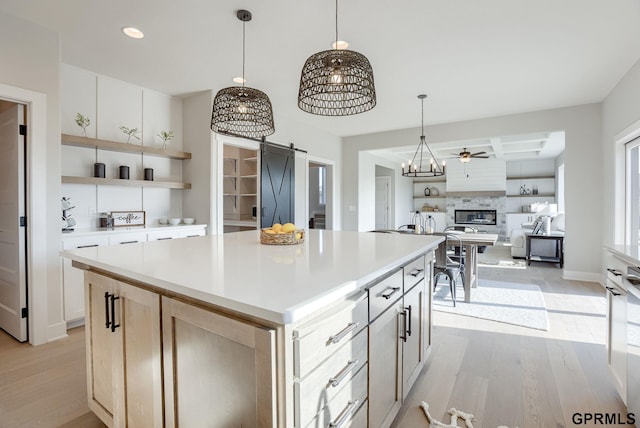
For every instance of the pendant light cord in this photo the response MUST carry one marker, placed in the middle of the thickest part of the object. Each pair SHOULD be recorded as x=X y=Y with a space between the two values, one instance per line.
x=336 y=24
x=422 y=116
x=243 y=49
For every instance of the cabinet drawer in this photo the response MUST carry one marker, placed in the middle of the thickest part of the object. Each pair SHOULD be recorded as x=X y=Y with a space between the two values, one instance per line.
x=413 y=273
x=339 y=369
x=127 y=238
x=161 y=235
x=346 y=405
x=84 y=242
x=384 y=294
x=191 y=233
x=318 y=339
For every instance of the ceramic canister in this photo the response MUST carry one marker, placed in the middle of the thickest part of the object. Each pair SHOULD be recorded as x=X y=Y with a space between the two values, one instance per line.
x=124 y=172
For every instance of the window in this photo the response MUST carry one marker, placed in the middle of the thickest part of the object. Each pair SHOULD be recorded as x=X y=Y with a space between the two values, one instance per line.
x=632 y=149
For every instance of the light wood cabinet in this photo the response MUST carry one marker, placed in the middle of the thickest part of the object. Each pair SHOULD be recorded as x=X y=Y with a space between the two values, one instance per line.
x=399 y=338
x=219 y=372
x=385 y=366
x=124 y=354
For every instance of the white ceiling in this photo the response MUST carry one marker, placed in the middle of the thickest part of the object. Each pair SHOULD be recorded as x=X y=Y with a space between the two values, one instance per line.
x=547 y=145
x=473 y=58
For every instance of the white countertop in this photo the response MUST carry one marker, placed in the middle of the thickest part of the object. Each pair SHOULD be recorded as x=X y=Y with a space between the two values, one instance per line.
x=282 y=284
x=627 y=253
x=148 y=228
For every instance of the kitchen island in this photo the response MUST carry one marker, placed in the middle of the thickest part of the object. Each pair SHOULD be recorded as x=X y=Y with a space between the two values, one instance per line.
x=224 y=331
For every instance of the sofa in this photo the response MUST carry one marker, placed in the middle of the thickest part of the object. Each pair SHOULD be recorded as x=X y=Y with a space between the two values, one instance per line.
x=518 y=240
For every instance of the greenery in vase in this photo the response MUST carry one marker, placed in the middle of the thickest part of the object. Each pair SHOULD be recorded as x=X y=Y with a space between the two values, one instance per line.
x=83 y=122
x=165 y=136
x=130 y=132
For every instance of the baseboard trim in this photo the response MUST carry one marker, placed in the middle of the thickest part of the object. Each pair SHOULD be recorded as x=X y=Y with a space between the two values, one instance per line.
x=573 y=275
x=56 y=331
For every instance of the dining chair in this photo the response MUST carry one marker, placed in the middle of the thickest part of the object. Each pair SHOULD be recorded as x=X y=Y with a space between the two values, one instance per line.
x=448 y=264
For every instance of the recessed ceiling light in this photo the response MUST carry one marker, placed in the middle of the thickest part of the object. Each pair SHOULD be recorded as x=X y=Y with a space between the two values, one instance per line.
x=239 y=80
x=133 y=32
x=340 y=44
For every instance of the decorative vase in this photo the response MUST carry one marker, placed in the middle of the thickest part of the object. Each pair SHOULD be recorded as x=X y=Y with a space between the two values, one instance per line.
x=427 y=191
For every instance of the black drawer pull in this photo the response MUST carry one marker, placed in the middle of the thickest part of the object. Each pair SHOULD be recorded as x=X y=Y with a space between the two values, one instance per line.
x=163 y=239
x=129 y=242
x=87 y=246
x=615 y=272
x=193 y=236
x=390 y=293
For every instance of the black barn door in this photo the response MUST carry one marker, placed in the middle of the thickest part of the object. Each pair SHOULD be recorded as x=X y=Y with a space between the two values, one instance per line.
x=277 y=185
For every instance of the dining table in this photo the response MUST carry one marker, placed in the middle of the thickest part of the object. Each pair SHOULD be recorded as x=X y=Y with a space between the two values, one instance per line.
x=470 y=243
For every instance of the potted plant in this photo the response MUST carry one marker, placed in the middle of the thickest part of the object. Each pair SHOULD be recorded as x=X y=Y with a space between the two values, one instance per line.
x=83 y=122
x=165 y=136
x=130 y=132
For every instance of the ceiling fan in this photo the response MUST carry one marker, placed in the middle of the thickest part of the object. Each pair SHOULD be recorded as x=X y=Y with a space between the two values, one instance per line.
x=465 y=156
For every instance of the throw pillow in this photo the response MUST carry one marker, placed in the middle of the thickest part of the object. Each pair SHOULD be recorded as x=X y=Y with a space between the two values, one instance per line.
x=558 y=222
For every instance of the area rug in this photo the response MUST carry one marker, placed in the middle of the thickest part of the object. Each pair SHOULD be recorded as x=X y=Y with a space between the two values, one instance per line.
x=500 y=256
x=511 y=303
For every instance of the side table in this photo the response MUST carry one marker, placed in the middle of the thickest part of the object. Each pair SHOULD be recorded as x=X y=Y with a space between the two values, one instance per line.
x=559 y=241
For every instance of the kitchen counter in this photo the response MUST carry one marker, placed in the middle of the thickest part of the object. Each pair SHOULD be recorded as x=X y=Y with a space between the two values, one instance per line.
x=281 y=284
x=627 y=253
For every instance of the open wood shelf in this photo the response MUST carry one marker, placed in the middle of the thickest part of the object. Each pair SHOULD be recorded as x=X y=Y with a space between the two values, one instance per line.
x=78 y=141
x=539 y=195
x=533 y=177
x=119 y=182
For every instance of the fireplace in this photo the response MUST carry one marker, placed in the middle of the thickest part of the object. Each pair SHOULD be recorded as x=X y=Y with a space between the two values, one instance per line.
x=476 y=217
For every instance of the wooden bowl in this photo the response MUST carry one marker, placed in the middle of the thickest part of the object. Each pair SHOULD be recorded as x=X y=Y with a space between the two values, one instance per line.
x=282 y=238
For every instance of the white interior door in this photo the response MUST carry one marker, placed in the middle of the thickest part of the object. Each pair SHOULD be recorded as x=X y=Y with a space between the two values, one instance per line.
x=383 y=196
x=13 y=286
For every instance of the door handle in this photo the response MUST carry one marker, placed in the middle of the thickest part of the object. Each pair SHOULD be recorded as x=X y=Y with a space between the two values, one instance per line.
x=403 y=336
x=409 y=322
x=113 y=299
x=107 y=323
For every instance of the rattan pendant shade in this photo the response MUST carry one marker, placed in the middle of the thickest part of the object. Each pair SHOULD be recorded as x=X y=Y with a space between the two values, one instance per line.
x=242 y=111
x=337 y=82
x=239 y=110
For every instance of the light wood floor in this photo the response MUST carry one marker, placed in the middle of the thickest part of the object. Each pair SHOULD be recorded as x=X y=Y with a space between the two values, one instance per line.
x=504 y=375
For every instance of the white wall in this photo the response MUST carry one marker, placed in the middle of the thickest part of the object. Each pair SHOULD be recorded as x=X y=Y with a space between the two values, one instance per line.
x=401 y=193
x=109 y=104
x=620 y=110
x=477 y=175
x=584 y=170
x=30 y=60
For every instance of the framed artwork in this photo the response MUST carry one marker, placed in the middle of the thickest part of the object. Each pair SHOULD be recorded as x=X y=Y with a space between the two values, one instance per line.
x=128 y=218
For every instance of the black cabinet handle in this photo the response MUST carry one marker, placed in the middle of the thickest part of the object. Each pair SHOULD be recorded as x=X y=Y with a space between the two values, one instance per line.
x=113 y=312
x=409 y=316
x=107 y=323
x=129 y=242
x=161 y=239
x=87 y=246
x=615 y=272
x=403 y=336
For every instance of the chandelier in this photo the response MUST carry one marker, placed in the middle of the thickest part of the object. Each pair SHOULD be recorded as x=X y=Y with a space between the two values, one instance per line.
x=418 y=166
x=239 y=110
x=337 y=82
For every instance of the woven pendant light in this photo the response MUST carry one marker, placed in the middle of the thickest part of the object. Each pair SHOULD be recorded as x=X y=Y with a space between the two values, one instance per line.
x=239 y=110
x=337 y=82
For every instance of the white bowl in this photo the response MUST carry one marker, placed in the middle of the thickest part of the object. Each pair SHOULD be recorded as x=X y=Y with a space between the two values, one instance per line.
x=188 y=220
x=162 y=220
x=175 y=221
